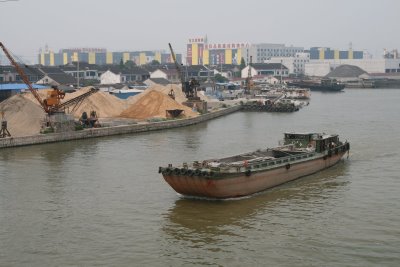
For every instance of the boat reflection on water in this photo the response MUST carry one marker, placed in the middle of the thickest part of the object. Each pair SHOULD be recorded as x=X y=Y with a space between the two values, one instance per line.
x=197 y=220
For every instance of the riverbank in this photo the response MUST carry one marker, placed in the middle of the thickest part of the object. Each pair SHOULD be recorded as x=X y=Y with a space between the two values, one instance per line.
x=112 y=130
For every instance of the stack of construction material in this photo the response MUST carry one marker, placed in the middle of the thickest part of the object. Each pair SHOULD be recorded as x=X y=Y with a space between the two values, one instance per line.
x=24 y=117
x=154 y=104
x=105 y=105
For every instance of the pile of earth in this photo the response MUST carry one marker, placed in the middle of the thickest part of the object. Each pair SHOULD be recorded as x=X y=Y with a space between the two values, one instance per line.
x=105 y=105
x=153 y=103
x=24 y=117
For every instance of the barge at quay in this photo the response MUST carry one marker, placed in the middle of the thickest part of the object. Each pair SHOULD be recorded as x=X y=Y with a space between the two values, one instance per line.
x=300 y=154
x=325 y=85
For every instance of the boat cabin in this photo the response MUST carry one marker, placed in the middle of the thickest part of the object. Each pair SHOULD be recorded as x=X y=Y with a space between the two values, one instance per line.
x=320 y=142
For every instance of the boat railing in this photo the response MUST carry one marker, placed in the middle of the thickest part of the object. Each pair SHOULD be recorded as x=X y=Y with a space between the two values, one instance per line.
x=256 y=163
x=282 y=160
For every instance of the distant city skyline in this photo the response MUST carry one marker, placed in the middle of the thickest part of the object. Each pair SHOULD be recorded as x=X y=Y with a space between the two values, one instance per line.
x=123 y=25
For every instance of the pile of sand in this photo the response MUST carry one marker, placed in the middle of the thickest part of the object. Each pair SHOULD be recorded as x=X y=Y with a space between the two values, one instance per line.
x=24 y=117
x=153 y=103
x=179 y=95
x=105 y=105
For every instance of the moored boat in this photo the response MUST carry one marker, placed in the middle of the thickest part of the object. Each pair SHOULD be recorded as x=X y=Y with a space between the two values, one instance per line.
x=301 y=154
x=325 y=85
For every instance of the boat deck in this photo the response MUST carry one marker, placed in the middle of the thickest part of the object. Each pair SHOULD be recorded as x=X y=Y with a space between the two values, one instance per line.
x=257 y=156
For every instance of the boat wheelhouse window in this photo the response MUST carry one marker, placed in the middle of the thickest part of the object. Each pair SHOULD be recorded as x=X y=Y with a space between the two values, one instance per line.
x=298 y=136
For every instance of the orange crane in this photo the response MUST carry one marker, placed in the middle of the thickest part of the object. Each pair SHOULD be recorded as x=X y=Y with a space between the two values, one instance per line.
x=52 y=103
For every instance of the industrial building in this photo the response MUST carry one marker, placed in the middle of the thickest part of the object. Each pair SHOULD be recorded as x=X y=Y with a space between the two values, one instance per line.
x=10 y=89
x=380 y=65
x=296 y=65
x=101 y=56
x=321 y=53
x=263 y=52
x=201 y=52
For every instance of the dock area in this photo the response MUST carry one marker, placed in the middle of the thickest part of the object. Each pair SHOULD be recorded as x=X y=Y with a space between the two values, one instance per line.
x=112 y=130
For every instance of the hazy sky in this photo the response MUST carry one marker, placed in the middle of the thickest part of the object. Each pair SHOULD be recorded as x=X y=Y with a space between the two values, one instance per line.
x=117 y=25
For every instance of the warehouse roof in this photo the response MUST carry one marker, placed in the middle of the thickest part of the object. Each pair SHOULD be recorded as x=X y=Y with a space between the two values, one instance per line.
x=19 y=86
x=62 y=78
x=268 y=66
x=160 y=81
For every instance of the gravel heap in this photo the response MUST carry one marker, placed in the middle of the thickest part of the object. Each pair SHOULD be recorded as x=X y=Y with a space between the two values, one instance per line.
x=24 y=117
x=153 y=103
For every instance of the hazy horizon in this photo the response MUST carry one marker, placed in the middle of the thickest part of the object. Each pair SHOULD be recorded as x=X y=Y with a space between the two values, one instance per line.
x=122 y=25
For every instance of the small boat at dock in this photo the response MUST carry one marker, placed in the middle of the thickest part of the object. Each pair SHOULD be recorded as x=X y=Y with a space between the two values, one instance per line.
x=300 y=154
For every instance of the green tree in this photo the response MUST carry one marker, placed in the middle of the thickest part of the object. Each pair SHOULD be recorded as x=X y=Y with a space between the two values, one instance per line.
x=129 y=64
x=219 y=78
x=121 y=64
x=242 y=64
x=155 y=62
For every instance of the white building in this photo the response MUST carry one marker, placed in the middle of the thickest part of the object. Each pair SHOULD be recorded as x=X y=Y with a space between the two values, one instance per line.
x=168 y=74
x=295 y=65
x=264 y=51
x=265 y=69
x=110 y=77
x=382 y=65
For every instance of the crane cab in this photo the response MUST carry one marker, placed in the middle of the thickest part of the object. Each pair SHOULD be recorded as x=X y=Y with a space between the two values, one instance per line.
x=54 y=97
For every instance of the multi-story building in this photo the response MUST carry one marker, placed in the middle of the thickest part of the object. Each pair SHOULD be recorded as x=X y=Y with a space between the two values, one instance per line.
x=320 y=53
x=380 y=65
x=263 y=52
x=324 y=60
x=295 y=65
x=101 y=56
x=200 y=52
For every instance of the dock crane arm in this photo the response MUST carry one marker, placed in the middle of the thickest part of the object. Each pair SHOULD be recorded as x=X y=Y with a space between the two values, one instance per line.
x=25 y=78
x=189 y=88
x=178 y=68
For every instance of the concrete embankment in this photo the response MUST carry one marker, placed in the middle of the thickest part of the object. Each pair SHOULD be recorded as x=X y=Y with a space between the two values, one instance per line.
x=115 y=130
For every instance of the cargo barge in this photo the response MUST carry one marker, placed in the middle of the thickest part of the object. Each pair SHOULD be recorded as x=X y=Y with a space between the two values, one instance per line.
x=325 y=85
x=301 y=154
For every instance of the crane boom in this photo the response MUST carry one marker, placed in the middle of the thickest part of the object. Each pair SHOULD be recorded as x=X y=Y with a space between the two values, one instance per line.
x=25 y=78
x=178 y=68
x=189 y=88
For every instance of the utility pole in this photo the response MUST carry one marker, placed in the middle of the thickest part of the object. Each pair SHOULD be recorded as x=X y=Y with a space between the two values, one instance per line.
x=78 y=74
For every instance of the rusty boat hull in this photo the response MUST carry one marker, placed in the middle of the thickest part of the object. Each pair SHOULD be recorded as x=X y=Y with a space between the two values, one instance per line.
x=237 y=177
